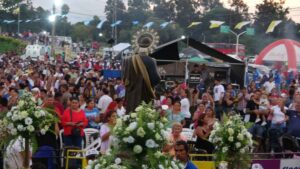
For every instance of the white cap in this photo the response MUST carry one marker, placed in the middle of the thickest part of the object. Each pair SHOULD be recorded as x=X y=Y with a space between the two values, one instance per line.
x=35 y=90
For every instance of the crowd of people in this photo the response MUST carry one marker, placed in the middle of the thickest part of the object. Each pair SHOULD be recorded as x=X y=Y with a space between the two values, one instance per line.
x=83 y=97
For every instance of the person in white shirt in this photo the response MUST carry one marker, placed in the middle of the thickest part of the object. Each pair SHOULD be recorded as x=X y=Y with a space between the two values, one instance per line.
x=219 y=91
x=120 y=108
x=14 y=157
x=185 y=106
x=104 y=101
x=278 y=116
x=269 y=85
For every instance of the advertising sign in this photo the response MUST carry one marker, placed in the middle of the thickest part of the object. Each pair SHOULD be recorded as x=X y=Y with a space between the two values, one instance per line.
x=265 y=164
x=290 y=164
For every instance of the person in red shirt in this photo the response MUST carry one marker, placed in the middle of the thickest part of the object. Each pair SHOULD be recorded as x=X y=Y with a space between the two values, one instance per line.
x=74 y=117
x=97 y=66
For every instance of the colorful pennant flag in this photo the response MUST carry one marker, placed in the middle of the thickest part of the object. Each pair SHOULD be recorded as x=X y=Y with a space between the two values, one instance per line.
x=86 y=23
x=116 y=23
x=148 y=25
x=8 y=21
x=164 y=25
x=194 y=24
x=37 y=20
x=99 y=26
x=215 y=24
x=135 y=22
x=28 y=20
x=242 y=24
x=272 y=26
x=16 y=11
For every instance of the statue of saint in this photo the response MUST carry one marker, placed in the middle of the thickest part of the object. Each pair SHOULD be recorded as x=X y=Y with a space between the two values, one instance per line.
x=140 y=73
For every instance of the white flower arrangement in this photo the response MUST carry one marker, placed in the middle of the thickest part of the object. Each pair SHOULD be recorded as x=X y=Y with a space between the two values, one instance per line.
x=232 y=140
x=141 y=135
x=137 y=149
x=24 y=119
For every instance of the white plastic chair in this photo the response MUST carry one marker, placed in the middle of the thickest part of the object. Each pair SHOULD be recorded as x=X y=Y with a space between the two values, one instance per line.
x=96 y=144
x=88 y=132
x=61 y=142
x=188 y=133
x=192 y=126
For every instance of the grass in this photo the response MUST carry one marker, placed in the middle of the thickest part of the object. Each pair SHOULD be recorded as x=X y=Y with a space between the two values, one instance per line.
x=8 y=44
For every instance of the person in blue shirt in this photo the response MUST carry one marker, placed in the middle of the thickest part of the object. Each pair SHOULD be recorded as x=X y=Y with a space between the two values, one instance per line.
x=91 y=113
x=182 y=154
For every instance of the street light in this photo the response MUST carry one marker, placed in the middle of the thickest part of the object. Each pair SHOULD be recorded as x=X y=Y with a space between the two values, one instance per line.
x=52 y=18
x=100 y=34
x=237 y=41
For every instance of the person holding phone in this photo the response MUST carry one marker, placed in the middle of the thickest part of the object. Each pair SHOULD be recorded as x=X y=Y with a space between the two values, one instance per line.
x=73 y=122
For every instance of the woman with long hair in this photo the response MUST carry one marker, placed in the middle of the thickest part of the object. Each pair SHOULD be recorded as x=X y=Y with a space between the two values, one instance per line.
x=205 y=126
x=200 y=110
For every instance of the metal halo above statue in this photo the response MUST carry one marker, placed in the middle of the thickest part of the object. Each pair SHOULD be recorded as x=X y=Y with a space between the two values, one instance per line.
x=145 y=41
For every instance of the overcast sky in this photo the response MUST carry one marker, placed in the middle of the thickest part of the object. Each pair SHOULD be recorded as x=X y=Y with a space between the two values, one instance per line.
x=82 y=10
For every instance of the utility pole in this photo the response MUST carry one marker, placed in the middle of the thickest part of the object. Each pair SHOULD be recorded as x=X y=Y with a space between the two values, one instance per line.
x=19 y=16
x=115 y=36
x=53 y=39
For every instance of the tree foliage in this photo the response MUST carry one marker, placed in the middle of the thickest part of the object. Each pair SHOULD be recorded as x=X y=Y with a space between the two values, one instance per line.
x=210 y=4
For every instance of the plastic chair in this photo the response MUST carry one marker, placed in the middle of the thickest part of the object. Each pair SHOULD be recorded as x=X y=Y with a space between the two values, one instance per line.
x=89 y=134
x=188 y=133
x=96 y=144
x=61 y=142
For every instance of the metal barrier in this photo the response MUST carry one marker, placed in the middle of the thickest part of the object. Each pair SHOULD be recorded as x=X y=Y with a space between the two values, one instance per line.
x=79 y=155
x=203 y=161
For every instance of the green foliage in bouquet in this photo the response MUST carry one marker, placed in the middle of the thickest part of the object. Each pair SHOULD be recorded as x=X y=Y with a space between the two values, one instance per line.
x=139 y=139
x=233 y=142
x=25 y=120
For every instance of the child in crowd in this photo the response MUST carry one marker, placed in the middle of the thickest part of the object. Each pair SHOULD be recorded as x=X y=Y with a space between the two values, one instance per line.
x=264 y=105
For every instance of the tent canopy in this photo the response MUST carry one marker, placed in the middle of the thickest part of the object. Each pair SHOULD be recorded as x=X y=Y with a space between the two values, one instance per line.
x=170 y=52
x=197 y=59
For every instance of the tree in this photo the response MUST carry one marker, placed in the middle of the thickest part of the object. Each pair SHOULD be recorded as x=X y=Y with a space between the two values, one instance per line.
x=240 y=7
x=268 y=11
x=164 y=10
x=142 y=5
x=65 y=9
x=213 y=35
x=182 y=12
x=138 y=10
x=112 y=6
x=80 y=32
x=210 y=4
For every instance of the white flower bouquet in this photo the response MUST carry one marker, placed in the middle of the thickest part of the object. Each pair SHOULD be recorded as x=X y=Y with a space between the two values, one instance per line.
x=26 y=119
x=233 y=142
x=140 y=137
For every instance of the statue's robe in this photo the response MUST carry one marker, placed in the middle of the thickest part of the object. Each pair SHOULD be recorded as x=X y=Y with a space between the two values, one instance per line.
x=140 y=76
